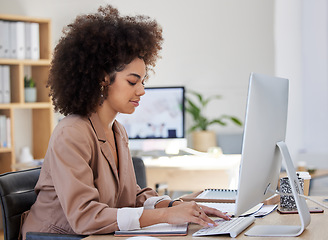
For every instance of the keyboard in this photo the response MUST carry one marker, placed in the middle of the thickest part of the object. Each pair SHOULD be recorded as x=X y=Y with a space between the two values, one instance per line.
x=232 y=227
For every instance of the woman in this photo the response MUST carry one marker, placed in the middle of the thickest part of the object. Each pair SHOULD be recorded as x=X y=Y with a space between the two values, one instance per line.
x=87 y=183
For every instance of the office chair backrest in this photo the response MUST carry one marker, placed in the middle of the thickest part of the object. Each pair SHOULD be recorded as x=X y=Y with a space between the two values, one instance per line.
x=140 y=171
x=16 y=196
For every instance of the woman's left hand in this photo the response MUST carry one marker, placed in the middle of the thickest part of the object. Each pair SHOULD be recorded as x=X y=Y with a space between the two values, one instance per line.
x=213 y=212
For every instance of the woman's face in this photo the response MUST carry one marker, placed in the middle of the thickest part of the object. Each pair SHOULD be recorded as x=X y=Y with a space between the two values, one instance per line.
x=125 y=92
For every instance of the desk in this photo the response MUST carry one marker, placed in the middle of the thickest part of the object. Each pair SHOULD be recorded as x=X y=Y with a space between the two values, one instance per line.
x=316 y=230
x=193 y=173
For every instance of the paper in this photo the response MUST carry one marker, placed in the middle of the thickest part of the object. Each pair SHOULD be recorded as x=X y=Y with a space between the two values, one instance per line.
x=229 y=208
x=265 y=210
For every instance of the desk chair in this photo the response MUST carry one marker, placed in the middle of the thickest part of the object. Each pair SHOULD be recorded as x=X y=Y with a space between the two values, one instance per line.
x=140 y=171
x=17 y=196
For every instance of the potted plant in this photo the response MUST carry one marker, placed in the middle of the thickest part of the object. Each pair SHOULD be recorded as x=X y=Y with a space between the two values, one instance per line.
x=29 y=89
x=202 y=137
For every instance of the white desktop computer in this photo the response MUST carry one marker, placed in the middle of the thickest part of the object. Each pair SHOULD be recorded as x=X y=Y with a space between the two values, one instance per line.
x=262 y=153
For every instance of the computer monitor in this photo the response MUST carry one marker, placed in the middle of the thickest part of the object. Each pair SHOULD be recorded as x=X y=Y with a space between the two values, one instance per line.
x=263 y=150
x=159 y=121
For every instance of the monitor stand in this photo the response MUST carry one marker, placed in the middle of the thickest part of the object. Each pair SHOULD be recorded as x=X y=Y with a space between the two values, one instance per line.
x=303 y=210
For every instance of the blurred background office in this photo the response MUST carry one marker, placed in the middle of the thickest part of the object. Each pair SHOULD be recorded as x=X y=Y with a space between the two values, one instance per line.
x=212 y=46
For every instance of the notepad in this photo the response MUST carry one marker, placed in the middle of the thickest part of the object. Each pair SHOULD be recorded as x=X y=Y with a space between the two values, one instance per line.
x=161 y=229
x=212 y=195
x=229 y=194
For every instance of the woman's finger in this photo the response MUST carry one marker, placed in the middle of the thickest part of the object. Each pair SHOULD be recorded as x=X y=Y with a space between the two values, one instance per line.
x=206 y=219
x=201 y=222
x=215 y=212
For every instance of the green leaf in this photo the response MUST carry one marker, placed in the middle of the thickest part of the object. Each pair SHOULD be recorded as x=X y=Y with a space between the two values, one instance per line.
x=218 y=121
x=29 y=82
x=236 y=121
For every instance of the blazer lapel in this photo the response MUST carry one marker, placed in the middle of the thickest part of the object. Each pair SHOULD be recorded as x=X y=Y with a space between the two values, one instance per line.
x=104 y=145
x=123 y=155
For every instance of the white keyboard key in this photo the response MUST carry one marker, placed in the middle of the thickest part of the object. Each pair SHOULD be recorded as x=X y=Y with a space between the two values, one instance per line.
x=232 y=227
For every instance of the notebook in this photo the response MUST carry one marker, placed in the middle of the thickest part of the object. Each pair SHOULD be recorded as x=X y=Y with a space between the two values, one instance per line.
x=229 y=194
x=161 y=229
x=213 y=195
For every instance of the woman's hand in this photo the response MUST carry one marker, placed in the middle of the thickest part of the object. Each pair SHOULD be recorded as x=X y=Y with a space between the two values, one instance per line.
x=192 y=212
x=214 y=212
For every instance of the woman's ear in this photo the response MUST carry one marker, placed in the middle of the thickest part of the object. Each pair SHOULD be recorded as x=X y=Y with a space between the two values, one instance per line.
x=106 y=81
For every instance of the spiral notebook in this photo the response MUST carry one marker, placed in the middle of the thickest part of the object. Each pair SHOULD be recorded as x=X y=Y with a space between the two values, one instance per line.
x=213 y=195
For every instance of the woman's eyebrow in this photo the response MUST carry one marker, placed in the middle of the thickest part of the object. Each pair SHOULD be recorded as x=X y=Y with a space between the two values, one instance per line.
x=135 y=75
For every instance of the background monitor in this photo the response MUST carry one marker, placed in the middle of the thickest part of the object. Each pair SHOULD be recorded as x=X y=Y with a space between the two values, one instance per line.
x=263 y=149
x=158 y=121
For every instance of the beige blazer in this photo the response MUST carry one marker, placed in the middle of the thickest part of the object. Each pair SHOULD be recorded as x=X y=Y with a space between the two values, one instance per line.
x=80 y=189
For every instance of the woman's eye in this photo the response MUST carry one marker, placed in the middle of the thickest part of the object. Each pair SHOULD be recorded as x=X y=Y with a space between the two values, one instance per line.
x=132 y=83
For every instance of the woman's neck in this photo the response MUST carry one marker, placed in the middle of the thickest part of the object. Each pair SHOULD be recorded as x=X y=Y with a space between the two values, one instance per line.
x=107 y=117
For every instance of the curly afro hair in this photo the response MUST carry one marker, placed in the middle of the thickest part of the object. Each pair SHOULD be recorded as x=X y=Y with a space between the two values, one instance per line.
x=93 y=46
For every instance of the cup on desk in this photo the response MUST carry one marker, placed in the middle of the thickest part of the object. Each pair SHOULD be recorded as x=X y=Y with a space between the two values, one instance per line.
x=288 y=202
x=307 y=177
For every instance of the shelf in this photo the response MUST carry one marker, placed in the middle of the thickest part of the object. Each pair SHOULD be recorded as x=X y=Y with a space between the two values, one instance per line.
x=24 y=18
x=6 y=150
x=9 y=61
x=42 y=122
x=36 y=105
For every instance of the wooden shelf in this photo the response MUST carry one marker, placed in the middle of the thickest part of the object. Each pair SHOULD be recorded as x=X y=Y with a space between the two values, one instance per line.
x=42 y=109
x=24 y=18
x=8 y=61
x=36 y=105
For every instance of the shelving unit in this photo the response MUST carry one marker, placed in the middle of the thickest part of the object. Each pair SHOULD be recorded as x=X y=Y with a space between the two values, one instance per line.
x=42 y=109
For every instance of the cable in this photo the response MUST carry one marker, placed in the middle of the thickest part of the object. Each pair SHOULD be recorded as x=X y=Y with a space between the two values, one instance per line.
x=315 y=201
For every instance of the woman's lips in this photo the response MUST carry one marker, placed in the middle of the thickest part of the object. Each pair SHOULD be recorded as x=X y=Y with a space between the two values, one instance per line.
x=135 y=103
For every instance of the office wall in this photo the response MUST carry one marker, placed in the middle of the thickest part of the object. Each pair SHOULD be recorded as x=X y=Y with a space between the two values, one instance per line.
x=210 y=45
x=301 y=40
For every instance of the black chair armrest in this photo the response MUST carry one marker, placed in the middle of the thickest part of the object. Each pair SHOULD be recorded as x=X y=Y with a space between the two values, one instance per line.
x=52 y=236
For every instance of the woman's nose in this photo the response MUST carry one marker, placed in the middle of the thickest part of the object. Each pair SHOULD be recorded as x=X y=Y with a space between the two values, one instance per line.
x=141 y=90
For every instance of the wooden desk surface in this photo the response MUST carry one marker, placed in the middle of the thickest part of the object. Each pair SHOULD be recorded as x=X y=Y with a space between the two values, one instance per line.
x=316 y=230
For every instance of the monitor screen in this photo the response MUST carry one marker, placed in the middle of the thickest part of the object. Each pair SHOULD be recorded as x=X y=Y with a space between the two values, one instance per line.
x=160 y=115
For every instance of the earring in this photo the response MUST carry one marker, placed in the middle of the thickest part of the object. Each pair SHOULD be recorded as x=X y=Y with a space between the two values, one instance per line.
x=101 y=90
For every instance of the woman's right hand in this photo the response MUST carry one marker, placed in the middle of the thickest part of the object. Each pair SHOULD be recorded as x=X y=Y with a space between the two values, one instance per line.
x=192 y=212
x=181 y=213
